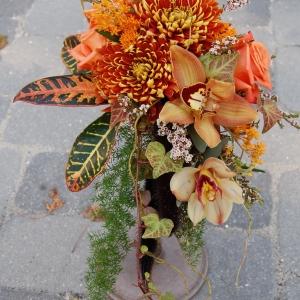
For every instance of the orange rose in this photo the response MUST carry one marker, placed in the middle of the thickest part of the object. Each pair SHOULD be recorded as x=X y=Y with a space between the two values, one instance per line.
x=86 y=52
x=253 y=65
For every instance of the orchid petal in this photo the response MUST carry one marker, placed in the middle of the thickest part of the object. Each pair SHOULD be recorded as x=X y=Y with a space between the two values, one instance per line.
x=219 y=167
x=183 y=183
x=220 y=91
x=218 y=211
x=204 y=126
x=187 y=68
x=235 y=113
x=176 y=112
x=195 y=209
x=231 y=191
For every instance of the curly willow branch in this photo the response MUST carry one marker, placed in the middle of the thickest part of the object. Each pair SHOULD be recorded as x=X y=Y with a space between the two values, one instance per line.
x=245 y=249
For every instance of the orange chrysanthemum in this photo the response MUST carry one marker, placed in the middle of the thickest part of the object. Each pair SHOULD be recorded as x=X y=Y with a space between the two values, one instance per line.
x=144 y=73
x=190 y=24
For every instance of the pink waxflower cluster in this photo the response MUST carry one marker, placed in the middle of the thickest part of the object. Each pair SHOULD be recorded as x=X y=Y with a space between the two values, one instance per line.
x=181 y=145
x=234 y=4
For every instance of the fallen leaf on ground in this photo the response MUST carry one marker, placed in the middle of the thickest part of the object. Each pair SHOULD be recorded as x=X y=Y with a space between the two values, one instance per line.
x=91 y=212
x=56 y=201
x=3 y=41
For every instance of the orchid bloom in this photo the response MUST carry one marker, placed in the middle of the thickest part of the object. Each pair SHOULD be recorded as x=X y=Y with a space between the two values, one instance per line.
x=201 y=103
x=208 y=190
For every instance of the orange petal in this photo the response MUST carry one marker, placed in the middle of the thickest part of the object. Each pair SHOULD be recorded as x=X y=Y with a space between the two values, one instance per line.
x=231 y=191
x=183 y=183
x=218 y=211
x=219 y=167
x=235 y=113
x=186 y=67
x=220 y=91
x=195 y=209
x=204 y=126
x=176 y=112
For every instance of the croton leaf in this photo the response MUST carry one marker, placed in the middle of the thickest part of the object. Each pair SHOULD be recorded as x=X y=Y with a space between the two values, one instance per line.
x=220 y=67
x=156 y=228
x=70 y=62
x=117 y=114
x=161 y=161
x=90 y=152
x=108 y=35
x=270 y=112
x=69 y=90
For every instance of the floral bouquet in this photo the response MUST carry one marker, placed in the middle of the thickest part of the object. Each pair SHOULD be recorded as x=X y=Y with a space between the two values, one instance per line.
x=183 y=94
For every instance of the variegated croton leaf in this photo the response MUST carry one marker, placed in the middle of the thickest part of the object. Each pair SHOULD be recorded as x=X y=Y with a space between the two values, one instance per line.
x=69 y=90
x=90 y=153
x=70 y=62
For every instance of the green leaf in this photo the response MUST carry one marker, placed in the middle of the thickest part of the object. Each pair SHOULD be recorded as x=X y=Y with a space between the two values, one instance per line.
x=168 y=296
x=161 y=161
x=70 y=62
x=156 y=228
x=69 y=90
x=197 y=140
x=108 y=35
x=144 y=249
x=90 y=152
x=216 y=151
x=220 y=67
x=270 y=111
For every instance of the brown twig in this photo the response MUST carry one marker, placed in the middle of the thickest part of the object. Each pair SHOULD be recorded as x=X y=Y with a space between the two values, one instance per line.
x=81 y=234
x=32 y=218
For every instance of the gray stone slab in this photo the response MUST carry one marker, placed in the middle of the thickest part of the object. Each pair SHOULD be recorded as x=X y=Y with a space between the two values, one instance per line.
x=282 y=145
x=288 y=220
x=291 y=289
x=11 y=8
x=255 y=14
x=28 y=59
x=46 y=171
x=286 y=22
x=53 y=127
x=4 y=105
x=286 y=76
x=10 y=162
x=60 y=18
x=6 y=294
x=261 y=214
x=225 y=251
x=36 y=255
x=8 y=28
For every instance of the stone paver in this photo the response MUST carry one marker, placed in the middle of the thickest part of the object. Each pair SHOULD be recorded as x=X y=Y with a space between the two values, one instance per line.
x=35 y=255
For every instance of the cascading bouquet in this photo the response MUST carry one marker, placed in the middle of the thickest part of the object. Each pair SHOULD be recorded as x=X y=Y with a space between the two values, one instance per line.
x=179 y=134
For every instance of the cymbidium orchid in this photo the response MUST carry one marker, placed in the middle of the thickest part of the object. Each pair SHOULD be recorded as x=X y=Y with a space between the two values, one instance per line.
x=203 y=101
x=208 y=190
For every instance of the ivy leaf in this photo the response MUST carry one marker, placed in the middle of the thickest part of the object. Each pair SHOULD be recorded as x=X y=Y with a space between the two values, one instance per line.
x=117 y=114
x=270 y=112
x=168 y=296
x=161 y=161
x=69 y=90
x=220 y=67
x=70 y=62
x=216 y=151
x=156 y=228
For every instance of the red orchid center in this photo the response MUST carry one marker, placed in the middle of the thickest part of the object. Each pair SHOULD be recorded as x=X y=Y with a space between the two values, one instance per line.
x=195 y=96
x=207 y=188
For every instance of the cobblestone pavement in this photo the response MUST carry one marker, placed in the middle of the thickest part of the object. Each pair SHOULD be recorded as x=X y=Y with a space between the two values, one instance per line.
x=35 y=255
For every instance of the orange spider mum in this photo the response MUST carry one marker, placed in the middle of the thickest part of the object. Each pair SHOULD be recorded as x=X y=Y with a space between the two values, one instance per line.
x=190 y=24
x=144 y=73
